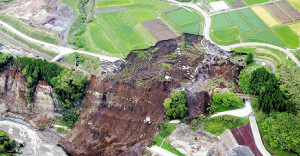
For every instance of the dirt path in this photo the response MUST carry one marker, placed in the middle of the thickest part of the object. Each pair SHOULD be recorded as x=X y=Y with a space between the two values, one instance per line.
x=243 y=112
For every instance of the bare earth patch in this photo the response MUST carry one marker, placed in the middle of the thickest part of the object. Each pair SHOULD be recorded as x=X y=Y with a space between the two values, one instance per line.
x=159 y=30
x=289 y=10
x=237 y=4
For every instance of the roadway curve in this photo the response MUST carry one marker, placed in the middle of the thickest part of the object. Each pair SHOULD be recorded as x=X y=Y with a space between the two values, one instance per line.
x=206 y=30
x=61 y=50
x=271 y=64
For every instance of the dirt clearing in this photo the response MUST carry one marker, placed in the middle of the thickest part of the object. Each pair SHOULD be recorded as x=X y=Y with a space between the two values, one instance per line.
x=159 y=30
x=237 y=4
x=277 y=13
x=289 y=10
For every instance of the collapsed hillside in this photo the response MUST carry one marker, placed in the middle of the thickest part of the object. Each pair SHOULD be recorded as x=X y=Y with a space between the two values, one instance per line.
x=117 y=104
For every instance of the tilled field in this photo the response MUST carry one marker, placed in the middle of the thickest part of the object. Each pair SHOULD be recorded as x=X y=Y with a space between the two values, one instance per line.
x=277 y=13
x=237 y=4
x=159 y=30
x=289 y=10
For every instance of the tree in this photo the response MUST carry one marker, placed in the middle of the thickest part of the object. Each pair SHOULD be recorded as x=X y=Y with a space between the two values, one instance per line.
x=70 y=117
x=176 y=106
x=244 y=81
x=249 y=58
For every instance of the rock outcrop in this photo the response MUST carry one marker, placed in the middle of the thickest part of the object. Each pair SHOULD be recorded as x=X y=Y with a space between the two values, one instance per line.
x=12 y=95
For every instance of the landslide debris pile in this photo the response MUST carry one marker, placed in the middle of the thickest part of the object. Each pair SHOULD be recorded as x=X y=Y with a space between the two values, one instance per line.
x=117 y=104
x=42 y=14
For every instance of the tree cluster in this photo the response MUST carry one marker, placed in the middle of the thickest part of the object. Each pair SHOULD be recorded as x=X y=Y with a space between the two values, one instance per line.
x=69 y=86
x=5 y=59
x=265 y=85
x=176 y=106
x=249 y=58
x=282 y=131
x=7 y=145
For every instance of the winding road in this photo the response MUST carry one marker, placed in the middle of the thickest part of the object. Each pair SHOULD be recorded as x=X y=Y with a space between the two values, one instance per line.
x=206 y=30
x=61 y=50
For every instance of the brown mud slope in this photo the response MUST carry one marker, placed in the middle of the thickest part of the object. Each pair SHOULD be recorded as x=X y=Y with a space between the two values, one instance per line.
x=118 y=104
x=244 y=136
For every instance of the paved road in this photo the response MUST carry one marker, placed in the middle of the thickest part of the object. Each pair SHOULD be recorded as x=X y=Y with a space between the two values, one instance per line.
x=206 y=30
x=61 y=50
x=257 y=137
x=160 y=151
x=243 y=112
x=271 y=64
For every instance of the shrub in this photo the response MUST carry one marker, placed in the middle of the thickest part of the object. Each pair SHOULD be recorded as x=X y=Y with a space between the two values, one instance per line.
x=249 y=58
x=70 y=118
x=226 y=101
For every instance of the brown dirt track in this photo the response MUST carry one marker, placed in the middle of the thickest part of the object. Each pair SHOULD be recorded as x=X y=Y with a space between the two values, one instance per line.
x=289 y=10
x=277 y=13
x=159 y=30
x=237 y=4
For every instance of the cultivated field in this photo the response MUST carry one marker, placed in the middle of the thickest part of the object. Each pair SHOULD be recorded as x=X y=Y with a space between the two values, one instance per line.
x=237 y=4
x=288 y=36
x=291 y=11
x=278 y=14
x=188 y=22
x=295 y=3
x=109 y=3
x=221 y=21
x=295 y=28
x=159 y=30
x=253 y=19
x=265 y=16
x=239 y=21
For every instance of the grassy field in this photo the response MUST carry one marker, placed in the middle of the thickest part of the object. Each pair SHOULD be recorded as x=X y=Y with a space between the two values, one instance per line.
x=221 y=21
x=109 y=3
x=266 y=36
x=251 y=2
x=217 y=125
x=86 y=62
x=265 y=16
x=25 y=28
x=295 y=28
x=288 y=36
x=180 y=17
x=191 y=29
x=239 y=21
x=116 y=34
x=226 y=36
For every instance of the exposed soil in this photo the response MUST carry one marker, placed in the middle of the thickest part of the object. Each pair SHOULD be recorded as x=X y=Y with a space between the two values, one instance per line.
x=237 y=4
x=289 y=9
x=43 y=14
x=117 y=105
x=244 y=136
x=277 y=13
x=159 y=30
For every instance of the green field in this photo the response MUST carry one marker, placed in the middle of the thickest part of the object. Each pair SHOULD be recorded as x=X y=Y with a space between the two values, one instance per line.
x=116 y=34
x=288 y=36
x=251 y=2
x=192 y=29
x=226 y=36
x=182 y=17
x=221 y=21
x=252 y=18
x=109 y=3
x=266 y=36
x=239 y=21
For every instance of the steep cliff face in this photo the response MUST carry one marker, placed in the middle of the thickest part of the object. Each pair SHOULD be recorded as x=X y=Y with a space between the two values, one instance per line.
x=117 y=104
x=12 y=94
